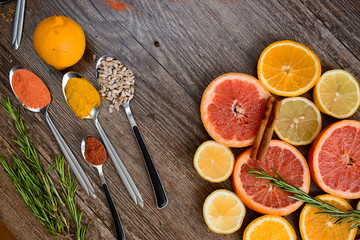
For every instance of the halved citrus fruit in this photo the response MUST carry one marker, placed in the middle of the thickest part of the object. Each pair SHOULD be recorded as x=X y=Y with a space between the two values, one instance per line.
x=322 y=226
x=337 y=94
x=223 y=212
x=288 y=68
x=334 y=159
x=214 y=161
x=263 y=197
x=269 y=227
x=299 y=121
x=232 y=107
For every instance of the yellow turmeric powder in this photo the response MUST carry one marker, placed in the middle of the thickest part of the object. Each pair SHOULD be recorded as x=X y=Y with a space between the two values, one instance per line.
x=82 y=96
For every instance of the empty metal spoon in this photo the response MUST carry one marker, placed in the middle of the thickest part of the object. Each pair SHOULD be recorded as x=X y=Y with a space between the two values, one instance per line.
x=98 y=165
x=120 y=167
x=155 y=179
x=69 y=156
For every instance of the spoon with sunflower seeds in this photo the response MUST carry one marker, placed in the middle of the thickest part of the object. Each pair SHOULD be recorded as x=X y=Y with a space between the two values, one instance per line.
x=117 y=85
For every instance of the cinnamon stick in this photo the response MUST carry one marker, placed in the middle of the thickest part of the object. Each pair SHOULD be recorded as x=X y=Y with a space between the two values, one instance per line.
x=262 y=127
x=265 y=141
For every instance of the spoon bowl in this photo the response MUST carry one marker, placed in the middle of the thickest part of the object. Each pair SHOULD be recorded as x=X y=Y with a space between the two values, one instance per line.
x=11 y=74
x=67 y=76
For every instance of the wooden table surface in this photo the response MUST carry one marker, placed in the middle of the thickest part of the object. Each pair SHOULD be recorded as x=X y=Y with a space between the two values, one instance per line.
x=175 y=48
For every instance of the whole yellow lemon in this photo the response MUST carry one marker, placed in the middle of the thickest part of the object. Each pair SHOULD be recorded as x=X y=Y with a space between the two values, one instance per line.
x=59 y=41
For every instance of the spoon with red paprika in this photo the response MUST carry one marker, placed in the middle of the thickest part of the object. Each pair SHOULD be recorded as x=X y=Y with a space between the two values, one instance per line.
x=94 y=153
x=34 y=95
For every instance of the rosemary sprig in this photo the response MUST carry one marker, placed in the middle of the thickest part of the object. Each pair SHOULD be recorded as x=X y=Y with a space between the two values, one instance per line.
x=350 y=216
x=69 y=189
x=36 y=187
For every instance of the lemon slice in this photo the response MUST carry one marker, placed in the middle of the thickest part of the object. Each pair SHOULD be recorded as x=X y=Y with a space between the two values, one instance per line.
x=269 y=227
x=214 y=161
x=322 y=226
x=223 y=211
x=288 y=68
x=299 y=121
x=337 y=94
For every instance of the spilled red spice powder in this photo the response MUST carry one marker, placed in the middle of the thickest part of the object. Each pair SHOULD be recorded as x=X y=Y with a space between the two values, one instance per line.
x=30 y=90
x=118 y=5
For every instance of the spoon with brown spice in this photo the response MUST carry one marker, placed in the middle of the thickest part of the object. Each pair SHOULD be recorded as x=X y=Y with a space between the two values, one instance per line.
x=94 y=153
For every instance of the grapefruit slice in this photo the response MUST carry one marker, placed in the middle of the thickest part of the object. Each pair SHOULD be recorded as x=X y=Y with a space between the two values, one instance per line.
x=261 y=196
x=232 y=107
x=334 y=159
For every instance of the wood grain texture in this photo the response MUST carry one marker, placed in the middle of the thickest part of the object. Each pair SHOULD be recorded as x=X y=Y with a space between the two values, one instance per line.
x=175 y=49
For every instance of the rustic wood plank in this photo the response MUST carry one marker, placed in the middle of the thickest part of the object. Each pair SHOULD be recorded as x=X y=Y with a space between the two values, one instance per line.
x=196 y=42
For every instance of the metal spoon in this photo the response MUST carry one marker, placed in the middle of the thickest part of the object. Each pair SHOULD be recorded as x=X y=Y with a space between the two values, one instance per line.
x=74 y=164
x=155 y=179
x=18 y=24
x=120 y=167
x=118 y=227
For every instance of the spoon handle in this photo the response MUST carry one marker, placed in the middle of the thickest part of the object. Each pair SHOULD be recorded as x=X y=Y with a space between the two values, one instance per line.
x=118 y=227
x=155 y=179
x=120 y=167
x=73 y=163
x=18 y=24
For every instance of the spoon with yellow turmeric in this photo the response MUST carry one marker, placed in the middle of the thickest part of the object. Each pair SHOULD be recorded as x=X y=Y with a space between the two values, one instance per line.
x=84 y=101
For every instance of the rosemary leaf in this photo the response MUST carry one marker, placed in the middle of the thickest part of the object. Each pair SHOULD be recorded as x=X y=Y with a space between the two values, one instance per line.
x=341 y=216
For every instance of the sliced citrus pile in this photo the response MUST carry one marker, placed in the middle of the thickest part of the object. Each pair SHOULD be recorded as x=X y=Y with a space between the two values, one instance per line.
x=334 y=159
x=223 y=212
x=269 y=227
x=288 y=68
x=299 y=121
x=322 y=226
x=337 y=94
x=261 y=196
x=232 y=107
x=214 y=161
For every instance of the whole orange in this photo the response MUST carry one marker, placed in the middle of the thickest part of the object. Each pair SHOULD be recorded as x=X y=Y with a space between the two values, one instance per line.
x=59 y=41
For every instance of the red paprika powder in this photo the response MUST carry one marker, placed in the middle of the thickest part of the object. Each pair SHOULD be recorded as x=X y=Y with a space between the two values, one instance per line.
x=118 y=5
x=95 y=152
x=30 y=90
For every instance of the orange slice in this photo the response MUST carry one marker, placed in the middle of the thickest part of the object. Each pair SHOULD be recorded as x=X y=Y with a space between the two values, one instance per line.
x=232 y=107
x=214 y=161
x=322 y=226
x=269 y=227
x=223 y=212
x=288 y=68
